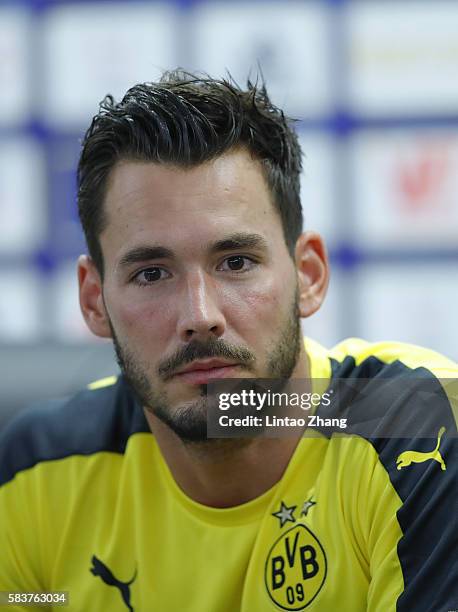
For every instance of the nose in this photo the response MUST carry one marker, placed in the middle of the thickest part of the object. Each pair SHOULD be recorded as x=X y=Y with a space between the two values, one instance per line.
x=200 y=315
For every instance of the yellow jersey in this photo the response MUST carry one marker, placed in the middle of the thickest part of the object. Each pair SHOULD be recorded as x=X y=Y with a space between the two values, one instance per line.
x=88 y=506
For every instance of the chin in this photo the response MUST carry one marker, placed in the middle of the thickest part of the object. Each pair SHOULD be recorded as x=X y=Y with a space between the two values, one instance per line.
x=188 y=421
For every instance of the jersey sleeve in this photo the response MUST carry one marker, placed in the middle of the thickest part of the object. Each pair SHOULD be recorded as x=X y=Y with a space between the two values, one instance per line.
x=21 y=554
x=402 y=402
x=412 y=532
x=20 y=564
x=413 y=515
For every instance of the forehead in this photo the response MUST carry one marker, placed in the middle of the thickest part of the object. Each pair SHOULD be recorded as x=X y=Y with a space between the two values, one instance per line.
x=147 y=202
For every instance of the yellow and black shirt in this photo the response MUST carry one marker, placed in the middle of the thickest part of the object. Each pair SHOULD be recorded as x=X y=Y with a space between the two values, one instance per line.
x=88 y=505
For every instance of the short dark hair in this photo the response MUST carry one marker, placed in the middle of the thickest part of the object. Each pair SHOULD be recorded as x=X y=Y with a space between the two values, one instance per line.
x=185 y=120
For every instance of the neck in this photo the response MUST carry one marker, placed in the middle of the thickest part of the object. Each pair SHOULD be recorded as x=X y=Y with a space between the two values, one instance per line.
x=230 y=472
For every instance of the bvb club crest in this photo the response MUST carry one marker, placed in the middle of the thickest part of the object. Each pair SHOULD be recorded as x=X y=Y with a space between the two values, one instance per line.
x=295 y=568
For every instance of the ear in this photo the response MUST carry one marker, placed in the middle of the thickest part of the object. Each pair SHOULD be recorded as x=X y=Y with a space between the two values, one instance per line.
x=313 y=272
x=91 y=298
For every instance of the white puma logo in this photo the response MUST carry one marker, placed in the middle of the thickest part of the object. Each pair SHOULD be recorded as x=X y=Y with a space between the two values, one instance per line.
x=408 y=457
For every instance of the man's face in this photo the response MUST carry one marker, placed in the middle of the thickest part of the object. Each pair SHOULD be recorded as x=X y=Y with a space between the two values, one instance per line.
x=198 y=283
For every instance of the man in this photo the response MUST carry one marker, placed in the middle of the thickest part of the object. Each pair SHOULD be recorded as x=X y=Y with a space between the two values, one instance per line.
x=198 y=271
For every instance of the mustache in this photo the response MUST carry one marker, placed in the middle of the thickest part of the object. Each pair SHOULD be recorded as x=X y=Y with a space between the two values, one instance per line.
x=202 y=350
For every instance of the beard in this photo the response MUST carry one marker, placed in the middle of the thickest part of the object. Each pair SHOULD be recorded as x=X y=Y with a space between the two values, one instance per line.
x=189 y=420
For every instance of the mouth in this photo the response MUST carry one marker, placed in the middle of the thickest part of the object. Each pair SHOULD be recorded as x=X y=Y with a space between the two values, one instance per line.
x=200 y=372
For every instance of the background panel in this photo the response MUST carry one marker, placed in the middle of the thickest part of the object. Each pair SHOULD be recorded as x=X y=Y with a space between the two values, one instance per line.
x=15 y=38
x=66 y=236
x=288 y=40
x=405 y=189
x=410 y=303
x=319 y=184
x=403 y=57
x=23 y=209
x=20 y=305
x=97 y=48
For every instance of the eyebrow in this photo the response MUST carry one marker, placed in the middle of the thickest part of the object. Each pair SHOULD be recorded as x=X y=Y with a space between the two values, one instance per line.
x=233 y=242
x=239 y=240
x=144 y=253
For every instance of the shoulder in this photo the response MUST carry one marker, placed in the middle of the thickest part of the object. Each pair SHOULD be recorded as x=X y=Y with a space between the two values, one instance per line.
x=402 y=399
x=98 y=418
x=370 y=358
x=394 y=390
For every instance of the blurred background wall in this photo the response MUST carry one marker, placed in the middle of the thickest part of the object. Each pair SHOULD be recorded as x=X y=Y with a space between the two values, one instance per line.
x=374 y=85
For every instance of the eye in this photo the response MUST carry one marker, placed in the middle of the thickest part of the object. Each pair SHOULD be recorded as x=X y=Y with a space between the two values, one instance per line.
x=237 y=263
x=149 y=276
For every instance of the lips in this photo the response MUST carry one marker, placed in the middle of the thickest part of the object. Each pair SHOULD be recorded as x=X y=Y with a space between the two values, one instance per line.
x=200 y=372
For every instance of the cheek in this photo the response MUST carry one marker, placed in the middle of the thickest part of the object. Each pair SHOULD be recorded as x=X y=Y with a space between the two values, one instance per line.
x=141 y=319
x=261 y=306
